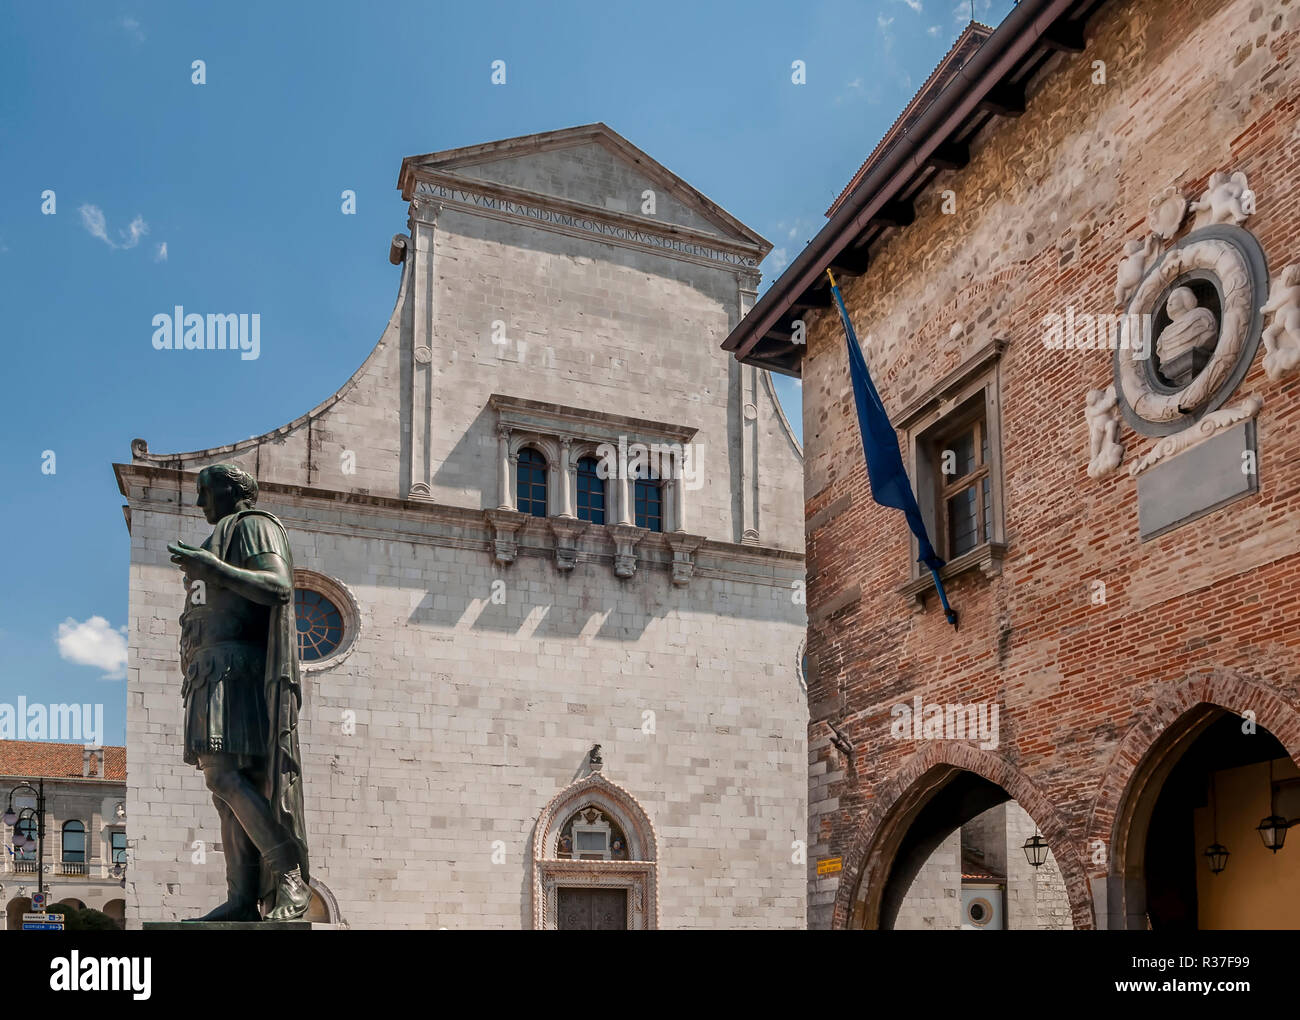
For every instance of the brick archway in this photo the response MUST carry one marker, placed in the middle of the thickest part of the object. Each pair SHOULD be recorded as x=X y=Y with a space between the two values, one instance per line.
x=1144 y=758
x=897 y=801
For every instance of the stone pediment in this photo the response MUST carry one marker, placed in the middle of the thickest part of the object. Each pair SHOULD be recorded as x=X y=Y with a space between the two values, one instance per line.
x=591 y=168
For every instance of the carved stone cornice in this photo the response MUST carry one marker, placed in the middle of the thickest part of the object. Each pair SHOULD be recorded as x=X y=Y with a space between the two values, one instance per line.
x=582 y=423
x=511 y=204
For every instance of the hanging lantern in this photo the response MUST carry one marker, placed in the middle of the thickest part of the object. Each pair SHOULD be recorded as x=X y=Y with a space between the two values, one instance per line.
x=1272 y=830
x=1035 y=850
x=10 y=816
x=1218 y=855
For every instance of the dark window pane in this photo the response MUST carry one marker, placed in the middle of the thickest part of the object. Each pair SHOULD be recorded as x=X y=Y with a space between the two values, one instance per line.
x=591 y=492
x=649 y=505
x=531 y=477
x=963 y=460
x=74 y=843
x=963 y=525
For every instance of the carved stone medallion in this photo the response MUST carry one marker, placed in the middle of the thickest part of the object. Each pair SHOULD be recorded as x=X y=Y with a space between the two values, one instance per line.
x=1204 y=297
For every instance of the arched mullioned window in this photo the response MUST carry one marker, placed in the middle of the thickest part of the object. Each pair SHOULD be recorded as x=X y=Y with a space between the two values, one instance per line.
x=74 y=843
x=531 y=483
x=591 y=491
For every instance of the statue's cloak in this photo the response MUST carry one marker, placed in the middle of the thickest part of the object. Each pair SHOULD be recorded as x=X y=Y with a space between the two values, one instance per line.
x=283 y=779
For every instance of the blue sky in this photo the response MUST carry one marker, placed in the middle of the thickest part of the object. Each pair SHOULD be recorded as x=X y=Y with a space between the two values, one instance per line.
x=226 y=195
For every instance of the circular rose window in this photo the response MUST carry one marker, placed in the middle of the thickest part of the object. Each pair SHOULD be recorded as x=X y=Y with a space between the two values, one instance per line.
x=326 y=619
x=320 y=624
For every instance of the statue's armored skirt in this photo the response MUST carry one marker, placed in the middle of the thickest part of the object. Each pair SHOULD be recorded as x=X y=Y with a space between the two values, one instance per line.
x=223 y=691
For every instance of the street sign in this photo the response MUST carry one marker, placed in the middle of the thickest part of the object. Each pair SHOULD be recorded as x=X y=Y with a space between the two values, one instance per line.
x=830 y=865
x=36 y=926
x=38 y=901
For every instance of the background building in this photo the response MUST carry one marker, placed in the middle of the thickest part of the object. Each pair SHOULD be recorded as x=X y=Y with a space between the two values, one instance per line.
x=85 y=826
x=980 y=879
x=1118 y=513
x=482 y=604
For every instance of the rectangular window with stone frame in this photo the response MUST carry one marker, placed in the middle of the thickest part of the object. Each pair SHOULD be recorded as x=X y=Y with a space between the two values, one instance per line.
x=954 y=455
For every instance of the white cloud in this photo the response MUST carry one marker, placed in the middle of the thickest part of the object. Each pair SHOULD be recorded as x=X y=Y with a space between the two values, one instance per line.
x=914 y=4
x=132 y=28
x=933 y=29
x=92 y=218
x=94 y=643
x=886 y=36
x=161 y=254
x=777 y=260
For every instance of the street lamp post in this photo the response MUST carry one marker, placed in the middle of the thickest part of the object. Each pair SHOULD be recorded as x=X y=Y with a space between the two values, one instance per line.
x=12 y=817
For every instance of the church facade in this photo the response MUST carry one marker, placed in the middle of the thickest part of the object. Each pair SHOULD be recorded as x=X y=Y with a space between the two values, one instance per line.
x=1074 y=268
x=548 y=543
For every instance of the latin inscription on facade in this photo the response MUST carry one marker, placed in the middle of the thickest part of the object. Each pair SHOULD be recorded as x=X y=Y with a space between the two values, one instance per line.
x=584 y=223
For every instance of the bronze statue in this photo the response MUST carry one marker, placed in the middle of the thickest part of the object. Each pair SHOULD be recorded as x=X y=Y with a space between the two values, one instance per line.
x=241 y=693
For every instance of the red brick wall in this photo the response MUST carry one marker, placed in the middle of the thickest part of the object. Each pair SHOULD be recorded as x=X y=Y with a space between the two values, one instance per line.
x=1043 y=211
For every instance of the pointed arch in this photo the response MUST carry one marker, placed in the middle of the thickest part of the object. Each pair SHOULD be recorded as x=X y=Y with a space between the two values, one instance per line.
x=900 y=799
x=1178 y=714
x=638 y=874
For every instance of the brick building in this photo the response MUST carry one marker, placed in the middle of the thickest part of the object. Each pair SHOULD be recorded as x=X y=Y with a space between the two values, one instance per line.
x=497 y=590
x=1072 y=265
x=85 y=852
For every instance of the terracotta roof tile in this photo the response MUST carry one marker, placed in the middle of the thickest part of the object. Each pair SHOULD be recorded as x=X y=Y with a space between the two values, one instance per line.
x=36 y=758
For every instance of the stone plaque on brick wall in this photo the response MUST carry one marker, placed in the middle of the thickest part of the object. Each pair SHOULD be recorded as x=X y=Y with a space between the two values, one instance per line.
x=1198 y=481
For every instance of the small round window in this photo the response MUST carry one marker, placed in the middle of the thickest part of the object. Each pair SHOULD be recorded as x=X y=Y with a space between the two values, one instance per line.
x=320 y=624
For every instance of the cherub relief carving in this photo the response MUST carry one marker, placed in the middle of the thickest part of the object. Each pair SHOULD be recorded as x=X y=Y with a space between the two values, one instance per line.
x=1228 y=199
x=1129 y=269
x=1282 y=337
x=1104 y=449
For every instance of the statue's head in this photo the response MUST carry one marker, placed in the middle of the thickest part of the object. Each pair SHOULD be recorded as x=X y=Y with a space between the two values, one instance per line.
x=223 y=489
x=1181 y=301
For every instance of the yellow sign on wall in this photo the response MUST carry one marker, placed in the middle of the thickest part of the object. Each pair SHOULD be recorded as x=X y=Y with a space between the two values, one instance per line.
x=830 y=865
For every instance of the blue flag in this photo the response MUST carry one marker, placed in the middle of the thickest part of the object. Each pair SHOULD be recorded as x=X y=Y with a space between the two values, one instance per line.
x=889 y=483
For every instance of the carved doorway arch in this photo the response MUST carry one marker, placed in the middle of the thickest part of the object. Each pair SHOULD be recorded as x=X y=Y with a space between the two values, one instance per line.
x=634 y=867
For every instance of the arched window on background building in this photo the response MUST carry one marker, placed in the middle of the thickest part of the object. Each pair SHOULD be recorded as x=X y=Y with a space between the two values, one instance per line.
x=591 y=492
x=648 y=503
x=531 y=483
x=74 y=848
